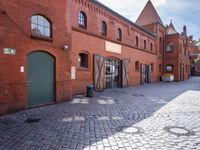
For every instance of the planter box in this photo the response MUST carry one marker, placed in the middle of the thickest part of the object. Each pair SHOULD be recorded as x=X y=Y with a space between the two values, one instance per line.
x=169 y=78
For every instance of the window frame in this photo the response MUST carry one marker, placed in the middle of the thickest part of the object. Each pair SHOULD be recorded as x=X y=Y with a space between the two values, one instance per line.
x=82 y=20
x=170 y=66
x=103 y=28
x=86 y=61
x=137 y=66
x=119 y=34
x=160 y=45
x=151 y=46
x=136 y=41
x=145 y=44
x=171 y=46
x=49 y=27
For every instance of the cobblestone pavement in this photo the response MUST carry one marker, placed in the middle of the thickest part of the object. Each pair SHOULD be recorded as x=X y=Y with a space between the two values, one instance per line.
x=154 y=116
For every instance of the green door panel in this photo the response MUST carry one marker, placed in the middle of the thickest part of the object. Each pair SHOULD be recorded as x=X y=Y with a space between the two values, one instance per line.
x=40 y=78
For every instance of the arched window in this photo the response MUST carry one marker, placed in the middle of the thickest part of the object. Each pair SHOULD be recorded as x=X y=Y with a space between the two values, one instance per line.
x=160 y=45
x=151 y=46
x=137 y=65
x=145 y=44
x=40 y=26
x=83 y=60
x=169 y=47
x=152 y=67
x=104 y=28
x=82 y=20
x=136 y=41
x=119 y=34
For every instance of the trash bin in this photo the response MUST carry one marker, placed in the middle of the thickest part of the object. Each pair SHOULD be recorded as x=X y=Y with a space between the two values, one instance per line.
x=90 y=90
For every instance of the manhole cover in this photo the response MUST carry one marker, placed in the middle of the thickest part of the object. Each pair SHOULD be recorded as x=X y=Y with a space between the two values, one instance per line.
x=129 y=129
x=179 y=131
x=138 y=95
x=32 y=120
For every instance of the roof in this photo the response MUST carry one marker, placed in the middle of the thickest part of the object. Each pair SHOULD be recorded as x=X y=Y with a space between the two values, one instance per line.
x=99 y=4
x=171 y=29
x=149 y=15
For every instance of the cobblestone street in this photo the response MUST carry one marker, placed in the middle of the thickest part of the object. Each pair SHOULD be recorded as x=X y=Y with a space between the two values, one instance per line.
x=154 y=116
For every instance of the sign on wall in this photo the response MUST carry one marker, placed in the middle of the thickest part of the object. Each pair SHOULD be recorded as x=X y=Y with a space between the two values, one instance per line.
x=73 y=73
x=112 y=47
x=9 y=51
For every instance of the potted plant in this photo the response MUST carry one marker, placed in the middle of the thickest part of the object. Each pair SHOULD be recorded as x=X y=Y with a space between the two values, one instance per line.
x=168 y=77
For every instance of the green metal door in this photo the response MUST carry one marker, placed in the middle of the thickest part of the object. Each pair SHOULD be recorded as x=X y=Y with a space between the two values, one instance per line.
x=40 y=78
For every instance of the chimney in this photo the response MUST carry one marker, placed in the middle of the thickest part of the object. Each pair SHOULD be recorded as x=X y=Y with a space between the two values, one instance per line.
x=184 y=30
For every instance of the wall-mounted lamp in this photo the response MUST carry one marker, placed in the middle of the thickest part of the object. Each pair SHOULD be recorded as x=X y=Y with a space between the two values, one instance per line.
x=66 y=47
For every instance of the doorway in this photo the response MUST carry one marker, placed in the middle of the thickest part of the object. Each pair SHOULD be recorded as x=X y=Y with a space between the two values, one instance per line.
x=112 y=76
x=145 y=73
x=40 y=78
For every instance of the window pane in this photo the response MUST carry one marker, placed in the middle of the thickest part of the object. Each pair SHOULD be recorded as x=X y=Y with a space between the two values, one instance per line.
x=34 y=28
x=34 y=19
x=169 y=68
x=46 y=23
x=41 y=21
x=41 y=30
x=47 y=32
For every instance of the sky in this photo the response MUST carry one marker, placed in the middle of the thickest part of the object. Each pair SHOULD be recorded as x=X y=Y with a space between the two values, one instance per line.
x=181 y=12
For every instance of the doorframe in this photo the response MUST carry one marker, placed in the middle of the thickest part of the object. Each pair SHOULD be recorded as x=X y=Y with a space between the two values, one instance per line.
x=54 y=85
x=119 y=71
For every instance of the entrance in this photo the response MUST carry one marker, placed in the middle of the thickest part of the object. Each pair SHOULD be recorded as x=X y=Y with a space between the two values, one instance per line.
x=112 y=73
x=145 y=73
x=40 y=78
x=192 y=71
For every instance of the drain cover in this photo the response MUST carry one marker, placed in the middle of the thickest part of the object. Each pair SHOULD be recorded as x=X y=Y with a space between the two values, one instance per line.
x=32 y=120
x=129 y=129
x=138 y=95
x=179 y=131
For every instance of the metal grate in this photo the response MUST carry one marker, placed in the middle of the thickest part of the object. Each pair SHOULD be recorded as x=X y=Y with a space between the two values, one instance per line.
x=32 y=120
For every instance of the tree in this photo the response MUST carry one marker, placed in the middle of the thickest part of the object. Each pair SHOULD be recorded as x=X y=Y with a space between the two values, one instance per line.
x=198 y=59
x=197 y=43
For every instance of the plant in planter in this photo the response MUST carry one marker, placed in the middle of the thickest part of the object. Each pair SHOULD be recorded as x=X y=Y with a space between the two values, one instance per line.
x=168 y=77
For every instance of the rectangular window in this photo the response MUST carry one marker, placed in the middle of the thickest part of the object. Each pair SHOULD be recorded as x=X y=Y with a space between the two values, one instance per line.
x=169 y=68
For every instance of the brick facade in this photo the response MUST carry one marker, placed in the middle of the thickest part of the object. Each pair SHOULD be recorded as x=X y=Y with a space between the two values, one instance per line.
x=15 y=32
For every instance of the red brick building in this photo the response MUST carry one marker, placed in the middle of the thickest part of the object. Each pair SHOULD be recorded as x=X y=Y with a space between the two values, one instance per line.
x=194 y=53
x=50 y=51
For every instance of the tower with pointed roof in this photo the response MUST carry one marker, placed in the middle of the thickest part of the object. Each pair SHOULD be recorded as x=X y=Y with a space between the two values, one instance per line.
x=171 y=29
x=149 y=15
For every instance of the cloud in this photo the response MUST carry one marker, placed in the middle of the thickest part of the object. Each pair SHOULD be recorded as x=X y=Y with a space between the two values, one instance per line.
x=130 y=8
x=182 y=12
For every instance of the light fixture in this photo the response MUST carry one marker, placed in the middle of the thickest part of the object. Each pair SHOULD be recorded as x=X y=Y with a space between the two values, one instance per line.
x=66 y=47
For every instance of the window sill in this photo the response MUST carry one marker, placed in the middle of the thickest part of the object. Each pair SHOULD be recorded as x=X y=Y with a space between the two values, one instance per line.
x=83 y=27
x=83 y=69
x=35 y=37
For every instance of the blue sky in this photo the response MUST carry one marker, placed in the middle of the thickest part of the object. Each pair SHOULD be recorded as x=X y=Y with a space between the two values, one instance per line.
x=182 y=12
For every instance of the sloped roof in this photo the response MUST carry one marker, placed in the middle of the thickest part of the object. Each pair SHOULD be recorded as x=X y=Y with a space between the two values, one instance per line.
x=171 y=29
x=149 y=15
x=101 y=5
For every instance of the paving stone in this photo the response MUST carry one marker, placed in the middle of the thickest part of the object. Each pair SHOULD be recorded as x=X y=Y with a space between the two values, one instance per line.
x=77 y=126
